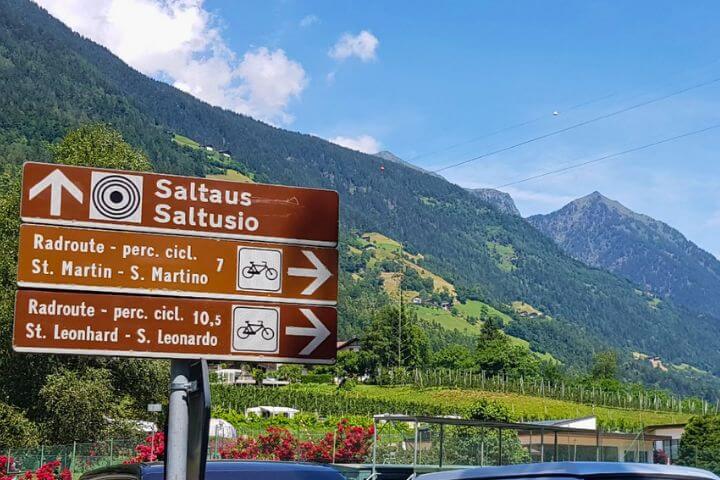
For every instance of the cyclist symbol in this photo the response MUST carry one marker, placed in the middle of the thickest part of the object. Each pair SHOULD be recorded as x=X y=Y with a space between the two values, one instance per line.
x=257 y=269
x=253 y=328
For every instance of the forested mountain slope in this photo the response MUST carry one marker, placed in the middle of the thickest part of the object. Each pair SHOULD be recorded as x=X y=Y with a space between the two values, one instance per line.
x=52 y=79
x=603 y=233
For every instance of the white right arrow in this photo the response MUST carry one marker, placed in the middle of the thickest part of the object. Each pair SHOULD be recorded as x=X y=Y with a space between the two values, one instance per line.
x=320 y=273
x=56 y=181
x=319 y=331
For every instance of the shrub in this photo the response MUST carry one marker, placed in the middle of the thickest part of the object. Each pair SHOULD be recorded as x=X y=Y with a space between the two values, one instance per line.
x=76 y=405
x=347 y=444
x=49 y=471
x=152 y=450
x=15 y=429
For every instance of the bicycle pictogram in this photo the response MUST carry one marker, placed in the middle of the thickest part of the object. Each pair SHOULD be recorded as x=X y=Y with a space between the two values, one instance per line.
x=259 y=268
x=251 y=328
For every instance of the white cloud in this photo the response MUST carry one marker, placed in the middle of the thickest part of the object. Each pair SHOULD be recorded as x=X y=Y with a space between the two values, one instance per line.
x=361 y=143
x=309 y=20
x=179 y=40
x=362 y=46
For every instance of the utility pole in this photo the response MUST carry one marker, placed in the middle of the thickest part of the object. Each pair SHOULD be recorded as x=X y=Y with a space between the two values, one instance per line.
x=400 y=310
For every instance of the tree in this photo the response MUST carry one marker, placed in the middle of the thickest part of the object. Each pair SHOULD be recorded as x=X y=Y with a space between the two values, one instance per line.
x=98 y=145
x=77 y=405
x=380 y=345
x=453 y=357
x=700 y=443
x=24 y=375
x=495 y=353
x=605 y=365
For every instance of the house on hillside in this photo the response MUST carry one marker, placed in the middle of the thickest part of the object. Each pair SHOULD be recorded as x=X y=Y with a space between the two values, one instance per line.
x=417 y=300
x=209 y=148
x=225 y=153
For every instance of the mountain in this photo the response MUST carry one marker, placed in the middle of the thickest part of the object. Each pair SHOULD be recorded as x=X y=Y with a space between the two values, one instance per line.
x=391 y=157
x=603 y=233
x=52 y=80
x=501 y=200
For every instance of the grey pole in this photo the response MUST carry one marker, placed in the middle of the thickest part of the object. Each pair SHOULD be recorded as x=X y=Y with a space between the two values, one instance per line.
x=178 y=421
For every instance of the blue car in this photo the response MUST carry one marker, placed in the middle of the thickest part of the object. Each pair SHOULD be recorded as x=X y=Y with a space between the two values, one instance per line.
x=575 y=471
x=222 y=470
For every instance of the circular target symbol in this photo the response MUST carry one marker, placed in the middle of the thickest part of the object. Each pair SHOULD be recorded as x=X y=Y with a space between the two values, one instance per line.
x=116 y=197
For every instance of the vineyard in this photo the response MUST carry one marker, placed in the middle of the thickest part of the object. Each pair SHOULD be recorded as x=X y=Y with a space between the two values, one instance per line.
x=629 y=397
x=368 y=400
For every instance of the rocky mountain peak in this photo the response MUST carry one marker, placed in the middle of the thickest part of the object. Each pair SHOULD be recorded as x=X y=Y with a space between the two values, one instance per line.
x=500 y=200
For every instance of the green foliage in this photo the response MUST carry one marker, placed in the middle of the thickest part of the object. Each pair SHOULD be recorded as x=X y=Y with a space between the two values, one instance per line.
x=76 y=405
x=291 y=373
x=380 y=345
x=412 y=280
x=317 y=378
x=453 y=357
x=29 y=378
x=490 y=411
x=700 y=444
x=495 y=353
x=97 y=145
x=605 y=366
x=15 y=428
x=368 y=400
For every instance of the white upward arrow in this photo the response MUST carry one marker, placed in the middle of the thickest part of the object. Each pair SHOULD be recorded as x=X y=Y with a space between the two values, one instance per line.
x=320 y=273
x=56 y=181
x=319 y=331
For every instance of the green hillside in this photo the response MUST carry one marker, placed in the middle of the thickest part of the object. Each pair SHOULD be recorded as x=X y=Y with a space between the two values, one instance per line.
x=53 y=80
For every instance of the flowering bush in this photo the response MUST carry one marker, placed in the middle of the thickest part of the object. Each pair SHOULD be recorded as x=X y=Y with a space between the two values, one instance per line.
x=347 y=444
x=153 y=449
x=49 y=471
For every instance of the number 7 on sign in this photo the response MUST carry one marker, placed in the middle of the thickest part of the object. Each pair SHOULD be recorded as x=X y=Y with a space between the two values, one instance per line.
x=220 y=262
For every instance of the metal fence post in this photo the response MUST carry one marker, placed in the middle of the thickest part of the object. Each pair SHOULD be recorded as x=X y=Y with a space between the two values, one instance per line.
x=334 y=444
x=442 y=444
x=500 y=445
x=72 y=459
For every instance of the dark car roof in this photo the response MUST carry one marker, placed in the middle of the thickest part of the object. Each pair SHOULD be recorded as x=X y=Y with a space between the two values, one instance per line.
x=573 y=469
x=227 y=469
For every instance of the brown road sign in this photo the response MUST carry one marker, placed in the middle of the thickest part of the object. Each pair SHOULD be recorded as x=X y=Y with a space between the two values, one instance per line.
x=126 y=262
x=164 y=327
x=147 y=202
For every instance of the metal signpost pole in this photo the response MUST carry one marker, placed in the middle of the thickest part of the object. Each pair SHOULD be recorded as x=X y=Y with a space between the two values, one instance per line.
x=178 y=421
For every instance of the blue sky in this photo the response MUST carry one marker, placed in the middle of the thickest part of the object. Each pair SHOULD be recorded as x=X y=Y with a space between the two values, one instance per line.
x=417 y=77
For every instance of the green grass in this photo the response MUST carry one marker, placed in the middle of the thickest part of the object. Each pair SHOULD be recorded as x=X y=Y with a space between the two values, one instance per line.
x=232 y=175
x=473 y=308
x=445 y=318
x=504 y=256
x=185 y=141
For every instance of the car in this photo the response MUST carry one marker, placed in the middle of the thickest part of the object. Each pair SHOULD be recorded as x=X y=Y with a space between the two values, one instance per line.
x=575 y=471
x=221 y=470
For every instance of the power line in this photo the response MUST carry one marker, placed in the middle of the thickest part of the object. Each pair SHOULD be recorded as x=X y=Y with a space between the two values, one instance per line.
x=509 y=127
x=612 y=155
x=582 y=124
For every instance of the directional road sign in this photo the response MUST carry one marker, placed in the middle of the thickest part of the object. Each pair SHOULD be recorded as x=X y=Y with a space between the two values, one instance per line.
x=128 y=262
x=166 y=327
x=148 y=202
